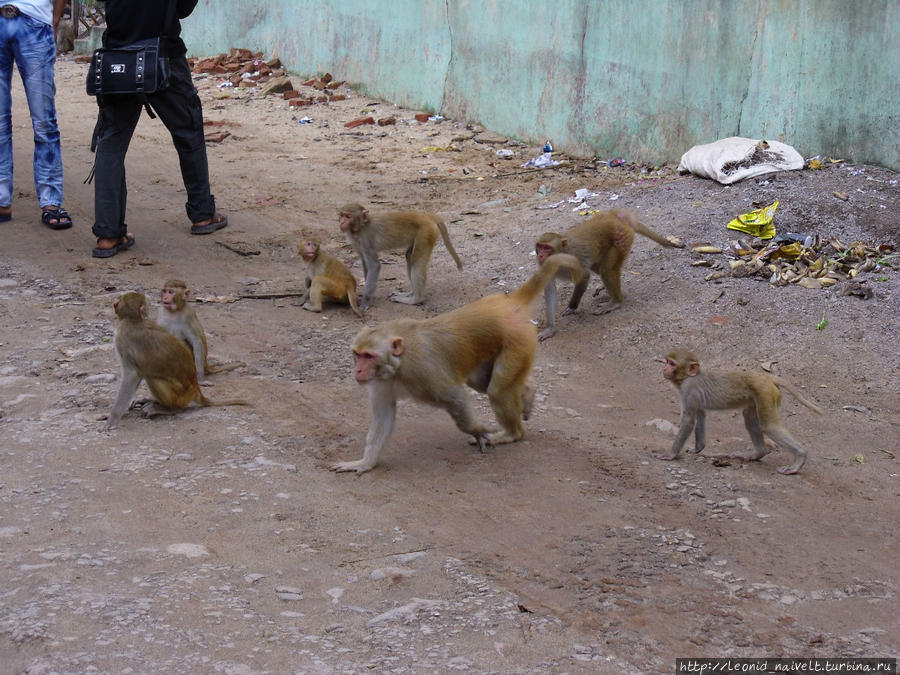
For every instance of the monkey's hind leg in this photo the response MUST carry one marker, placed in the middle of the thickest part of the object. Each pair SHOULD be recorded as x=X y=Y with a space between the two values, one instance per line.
x=786 y=441
x=759 y=450
x=417 y=257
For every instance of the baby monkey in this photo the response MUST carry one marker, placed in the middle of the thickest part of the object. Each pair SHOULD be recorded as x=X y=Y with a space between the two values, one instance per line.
x=180 y=319
x=757 y=393
x=327 y=278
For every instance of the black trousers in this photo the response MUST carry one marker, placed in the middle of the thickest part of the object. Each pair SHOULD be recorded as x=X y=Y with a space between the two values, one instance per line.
x=179 y=108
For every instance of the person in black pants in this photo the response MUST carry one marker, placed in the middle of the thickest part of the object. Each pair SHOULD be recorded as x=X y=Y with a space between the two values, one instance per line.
x=179 y=108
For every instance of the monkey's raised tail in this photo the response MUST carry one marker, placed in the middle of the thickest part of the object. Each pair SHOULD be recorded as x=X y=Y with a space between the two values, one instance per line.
x=784 y=384
x=528 y=292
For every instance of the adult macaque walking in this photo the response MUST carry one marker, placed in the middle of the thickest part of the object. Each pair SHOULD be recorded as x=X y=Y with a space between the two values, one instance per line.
x=757 y=393
x=601 y=244
x=147 y=351
x=488 y=345
x=326 y=278
x=415 y=231
x=180 y=319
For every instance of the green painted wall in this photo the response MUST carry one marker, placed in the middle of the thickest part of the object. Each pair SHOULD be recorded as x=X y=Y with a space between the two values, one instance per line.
x=642 y=79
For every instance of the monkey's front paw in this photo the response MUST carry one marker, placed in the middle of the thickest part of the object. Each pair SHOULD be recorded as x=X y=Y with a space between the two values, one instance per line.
x=546 y=334
x=570 y=310
x=359 y=466
x=667 y=457
x=694 y=451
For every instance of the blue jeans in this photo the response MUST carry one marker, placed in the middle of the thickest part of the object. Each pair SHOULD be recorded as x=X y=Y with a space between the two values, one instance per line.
x=30 y=44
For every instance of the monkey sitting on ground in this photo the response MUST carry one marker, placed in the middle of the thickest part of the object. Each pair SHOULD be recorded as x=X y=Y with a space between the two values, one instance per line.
x=147 y=351
x=326 y=278
x=415 y=231
x=180 y=319
x=757 y=393
x=488 y=345
x=602 y=244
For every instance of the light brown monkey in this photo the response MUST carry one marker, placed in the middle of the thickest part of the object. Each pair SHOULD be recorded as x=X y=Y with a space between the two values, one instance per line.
x=415 y=231
x=488 y=345
x=180 y=319
x=602 y=244
x=757 y=393
x=147 y=351
x=326 y=278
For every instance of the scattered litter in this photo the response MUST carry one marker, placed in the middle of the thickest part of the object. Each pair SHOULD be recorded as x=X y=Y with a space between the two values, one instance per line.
x=505 y=153
x=581 y=194
x=856 y=408
x=548 y=147
x=613 y=196
x=554 y=205
x=733 y=159
x=618 y=161
x=859 y=459
x=541 y=162
x=756 y=223
x=305 y=120
x=814 y=263
x=545 y=189
x=822 y=322
x=843 y=196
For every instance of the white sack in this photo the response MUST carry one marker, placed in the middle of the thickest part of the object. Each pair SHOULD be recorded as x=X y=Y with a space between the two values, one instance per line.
x=733 y=159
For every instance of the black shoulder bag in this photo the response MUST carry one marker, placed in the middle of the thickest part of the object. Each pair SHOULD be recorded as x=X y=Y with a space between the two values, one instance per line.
x=138 y=68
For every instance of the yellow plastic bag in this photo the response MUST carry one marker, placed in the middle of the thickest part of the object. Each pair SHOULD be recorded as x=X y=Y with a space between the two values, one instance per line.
x=756 y=223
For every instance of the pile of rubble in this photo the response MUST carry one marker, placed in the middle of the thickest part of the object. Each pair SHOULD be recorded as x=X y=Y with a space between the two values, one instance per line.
x=807 y=261
x=245 y=69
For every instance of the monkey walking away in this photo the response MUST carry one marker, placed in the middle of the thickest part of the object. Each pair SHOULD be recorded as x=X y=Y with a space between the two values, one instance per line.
x=488 y=345
x=415 y=231
x=180 y=319
x=147 y=351
x=601 y=244
x=757 y=393
x=326 y=278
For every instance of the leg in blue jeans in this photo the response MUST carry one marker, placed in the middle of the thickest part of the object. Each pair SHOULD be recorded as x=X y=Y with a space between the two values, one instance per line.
x=30 y=44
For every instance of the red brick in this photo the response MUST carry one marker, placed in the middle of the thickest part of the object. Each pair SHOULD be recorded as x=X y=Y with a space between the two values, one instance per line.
x=291 y=94
x=422 y=117
x=358 y=122
x=387 y=121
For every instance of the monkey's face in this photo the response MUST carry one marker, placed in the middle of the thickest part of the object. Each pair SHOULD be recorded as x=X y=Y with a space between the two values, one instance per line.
x=309 y=250
x=669 y=369
x=366 y=366
x=543 y=251
x=172 y=298
x=346 y=222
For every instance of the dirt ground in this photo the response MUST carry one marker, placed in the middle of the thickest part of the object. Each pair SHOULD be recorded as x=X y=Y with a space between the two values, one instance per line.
x=218 y=540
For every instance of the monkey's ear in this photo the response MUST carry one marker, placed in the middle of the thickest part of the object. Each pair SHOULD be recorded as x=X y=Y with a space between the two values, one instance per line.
x=397 y=346
x=564 y=244
x=365 y=216
x=693 y=369
x=187 y=292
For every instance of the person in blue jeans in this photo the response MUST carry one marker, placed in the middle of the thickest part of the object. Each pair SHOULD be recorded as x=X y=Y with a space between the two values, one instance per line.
x=27 y=29
x=179 y=108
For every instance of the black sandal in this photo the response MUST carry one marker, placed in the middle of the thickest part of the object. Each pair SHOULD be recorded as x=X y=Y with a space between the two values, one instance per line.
x=123 y=244
x=63 y=221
